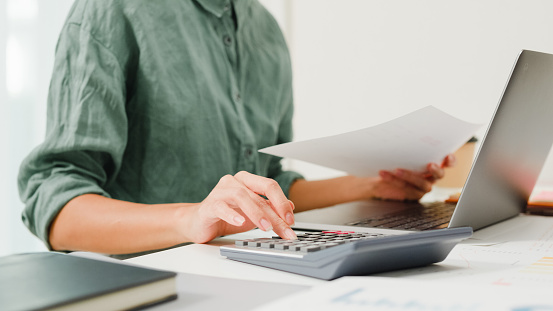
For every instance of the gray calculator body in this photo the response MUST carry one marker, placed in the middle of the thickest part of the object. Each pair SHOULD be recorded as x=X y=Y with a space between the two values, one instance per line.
x=360 y=257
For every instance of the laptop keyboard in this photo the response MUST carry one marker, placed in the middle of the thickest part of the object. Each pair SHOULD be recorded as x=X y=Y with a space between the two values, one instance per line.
x=428 y=216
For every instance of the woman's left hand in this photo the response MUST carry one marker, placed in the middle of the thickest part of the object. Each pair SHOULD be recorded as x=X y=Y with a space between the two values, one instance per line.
x=402 y=184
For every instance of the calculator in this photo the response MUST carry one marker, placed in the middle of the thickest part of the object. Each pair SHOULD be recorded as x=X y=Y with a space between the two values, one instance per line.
x=331 y=254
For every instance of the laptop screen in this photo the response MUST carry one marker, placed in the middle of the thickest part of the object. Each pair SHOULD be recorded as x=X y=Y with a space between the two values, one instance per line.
x=515 y=147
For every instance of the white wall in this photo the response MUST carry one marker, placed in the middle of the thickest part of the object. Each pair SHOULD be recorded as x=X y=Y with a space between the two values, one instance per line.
x=28 y=35
x=361 y=62
x=4 y=230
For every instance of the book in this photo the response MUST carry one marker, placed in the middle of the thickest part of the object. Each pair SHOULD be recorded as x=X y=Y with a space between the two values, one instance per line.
x=539 y=204
x=47 y=280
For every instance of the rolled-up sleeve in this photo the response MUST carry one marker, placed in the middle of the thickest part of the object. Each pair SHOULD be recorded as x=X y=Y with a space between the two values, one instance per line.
x=86 y=134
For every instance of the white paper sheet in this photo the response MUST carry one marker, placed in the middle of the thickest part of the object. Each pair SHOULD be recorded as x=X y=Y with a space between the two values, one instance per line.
x=410 y=142
x=375 y=293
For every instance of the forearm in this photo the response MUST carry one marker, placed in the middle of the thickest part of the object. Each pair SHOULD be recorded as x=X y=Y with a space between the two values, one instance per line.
x=98 y=224
x=308 y=195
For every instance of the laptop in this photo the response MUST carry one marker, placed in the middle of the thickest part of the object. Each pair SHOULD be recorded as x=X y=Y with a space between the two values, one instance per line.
x=504 y=172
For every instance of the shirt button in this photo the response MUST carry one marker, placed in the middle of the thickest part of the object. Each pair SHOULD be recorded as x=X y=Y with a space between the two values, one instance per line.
x=227 y=40
x=248 y=153
x=237 y=97
x=227 y=7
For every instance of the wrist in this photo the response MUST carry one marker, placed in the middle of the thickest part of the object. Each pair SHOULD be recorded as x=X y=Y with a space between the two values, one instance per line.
x=362 y=188
x=183 y=221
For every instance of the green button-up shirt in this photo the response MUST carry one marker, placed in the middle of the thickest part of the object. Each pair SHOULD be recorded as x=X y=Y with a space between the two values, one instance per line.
x=155 y=101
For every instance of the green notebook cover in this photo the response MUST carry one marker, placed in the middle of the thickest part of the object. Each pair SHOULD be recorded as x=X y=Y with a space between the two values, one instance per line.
x=41 y=281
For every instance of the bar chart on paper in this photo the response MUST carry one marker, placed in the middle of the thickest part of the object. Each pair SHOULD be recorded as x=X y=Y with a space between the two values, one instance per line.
x=543 y=266
x=538 y=272
x=390 y=294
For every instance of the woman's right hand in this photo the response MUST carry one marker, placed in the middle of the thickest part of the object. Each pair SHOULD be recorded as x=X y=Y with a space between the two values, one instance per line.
x=235 y=205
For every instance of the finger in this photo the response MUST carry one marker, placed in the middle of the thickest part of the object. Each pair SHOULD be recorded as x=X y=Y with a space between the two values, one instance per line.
x=260 y=211
x=449 y=160
x=415 y=179
x=289 y=217
x=280 y=227
x=257 y=209
x=270 y=189
x=435 y=172
x=235 y=194
x=393 y=181
x=405 y=191
x=228 y=214
x=386 y=175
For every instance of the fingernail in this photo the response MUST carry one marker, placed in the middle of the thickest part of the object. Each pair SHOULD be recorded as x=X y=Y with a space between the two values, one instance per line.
x=239 y=220
x=289 y=218
x=290 y=234
x=399 y=172
x=266 y=226
x=292 y=204
x=451 y=159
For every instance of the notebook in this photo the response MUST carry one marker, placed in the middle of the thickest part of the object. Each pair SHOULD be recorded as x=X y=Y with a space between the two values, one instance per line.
x=504 y=173
x=48 y=280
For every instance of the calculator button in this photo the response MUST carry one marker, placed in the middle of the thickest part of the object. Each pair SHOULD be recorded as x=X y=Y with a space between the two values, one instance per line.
x=283 y=246
x=267 y=245
x=308 y=242
x=310 y=248
x=294 y=247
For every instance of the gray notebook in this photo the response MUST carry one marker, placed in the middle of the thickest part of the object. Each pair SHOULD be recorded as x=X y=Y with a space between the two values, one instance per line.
x=40 y=281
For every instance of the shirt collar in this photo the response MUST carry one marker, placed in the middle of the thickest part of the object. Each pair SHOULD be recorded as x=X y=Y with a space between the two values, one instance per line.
x=215 y=7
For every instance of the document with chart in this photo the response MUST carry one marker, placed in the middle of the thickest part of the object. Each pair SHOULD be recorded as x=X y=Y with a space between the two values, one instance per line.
x=410 y=142
x=390 y=294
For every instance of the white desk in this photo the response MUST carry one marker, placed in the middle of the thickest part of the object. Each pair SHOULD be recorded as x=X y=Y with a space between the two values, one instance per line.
x=495 y=255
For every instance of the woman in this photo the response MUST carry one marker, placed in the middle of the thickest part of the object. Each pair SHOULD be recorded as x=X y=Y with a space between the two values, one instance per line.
x=155 y=112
